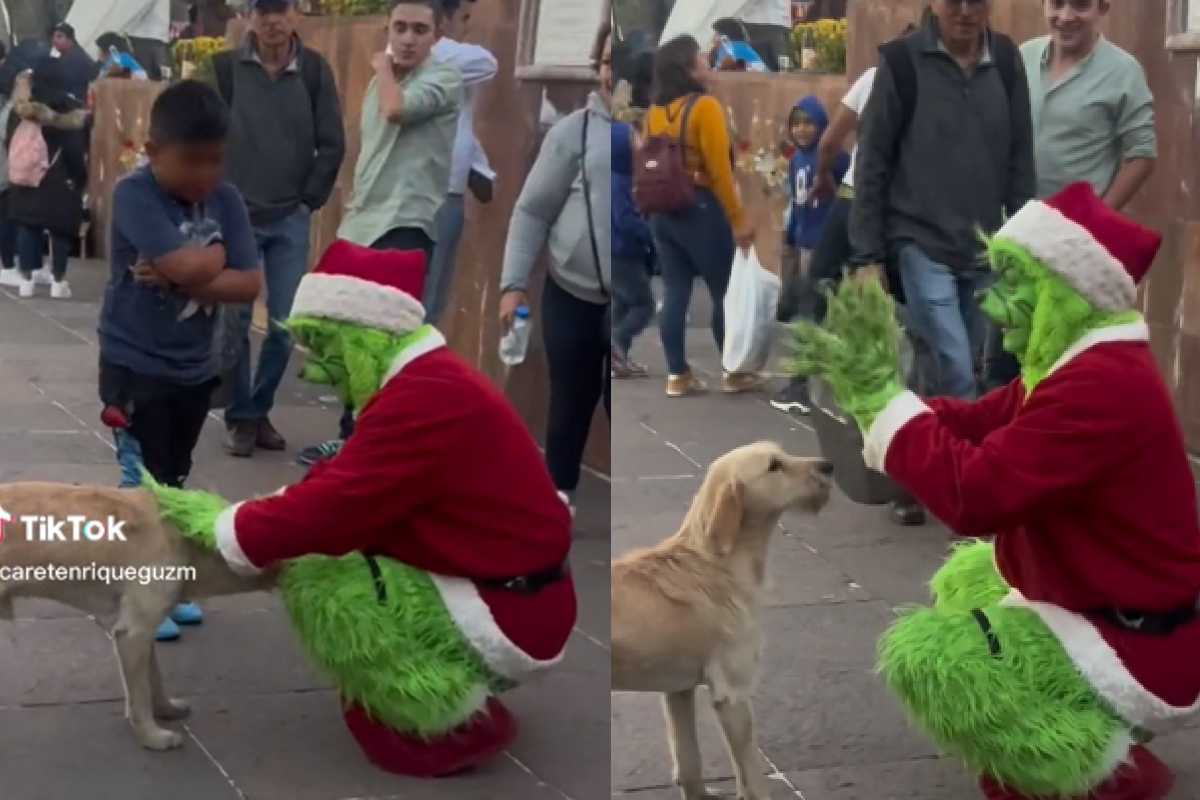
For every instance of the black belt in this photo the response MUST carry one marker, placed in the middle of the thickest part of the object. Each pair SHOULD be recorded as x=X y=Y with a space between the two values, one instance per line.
x=1151 y=623
x=526 y=584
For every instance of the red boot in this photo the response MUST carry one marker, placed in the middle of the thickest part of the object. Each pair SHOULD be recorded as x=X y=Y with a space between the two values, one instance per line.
x=114 y=417
x=1143 y=778
x=479 y=739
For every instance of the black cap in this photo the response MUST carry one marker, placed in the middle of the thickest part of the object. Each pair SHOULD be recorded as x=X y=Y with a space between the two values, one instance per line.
x=270 y=5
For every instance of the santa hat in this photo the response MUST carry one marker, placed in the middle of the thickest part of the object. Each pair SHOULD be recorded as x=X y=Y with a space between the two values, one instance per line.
x=1100 y=253
x=374 y=288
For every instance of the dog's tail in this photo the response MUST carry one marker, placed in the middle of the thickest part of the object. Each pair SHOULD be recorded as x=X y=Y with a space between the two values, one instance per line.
x=193 y=512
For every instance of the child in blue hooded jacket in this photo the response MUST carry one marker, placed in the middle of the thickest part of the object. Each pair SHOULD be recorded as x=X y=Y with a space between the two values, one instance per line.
x=633 y=255
x=807 y=214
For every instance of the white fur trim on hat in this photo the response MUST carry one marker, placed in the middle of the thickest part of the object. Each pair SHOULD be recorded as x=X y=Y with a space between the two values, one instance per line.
x=229 y=546
x=1069 y=250
x=1102 y=667
x=899 y=411
x=361 y=302
x=474 y=619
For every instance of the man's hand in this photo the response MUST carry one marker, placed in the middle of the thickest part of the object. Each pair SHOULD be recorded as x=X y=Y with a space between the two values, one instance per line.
x=381 y=62
x=868 y=273
x=857 y=350
x=146 y=274
x=745 y=233
x=824 y=186
x=509 y=303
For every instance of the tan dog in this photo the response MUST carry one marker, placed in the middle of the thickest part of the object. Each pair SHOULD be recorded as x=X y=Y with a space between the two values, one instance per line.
x=130 y=609
x=686 y=612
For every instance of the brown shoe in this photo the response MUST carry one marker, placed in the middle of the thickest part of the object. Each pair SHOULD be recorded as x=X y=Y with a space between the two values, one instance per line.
x=240 y=437
x=738 y=382
x=268 y=438
x=683 y=385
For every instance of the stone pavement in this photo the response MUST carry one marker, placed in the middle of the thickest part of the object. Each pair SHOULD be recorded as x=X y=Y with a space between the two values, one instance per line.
x=264 y=726
x=827 y=727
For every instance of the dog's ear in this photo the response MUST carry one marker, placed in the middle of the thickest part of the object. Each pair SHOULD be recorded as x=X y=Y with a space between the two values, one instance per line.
x=726 y=518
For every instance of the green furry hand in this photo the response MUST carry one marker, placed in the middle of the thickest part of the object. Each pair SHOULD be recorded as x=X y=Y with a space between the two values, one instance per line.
x=857 y=350
x=193 y=512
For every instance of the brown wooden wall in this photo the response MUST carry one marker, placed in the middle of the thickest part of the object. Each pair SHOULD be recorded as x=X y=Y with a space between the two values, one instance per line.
x=1169 y=203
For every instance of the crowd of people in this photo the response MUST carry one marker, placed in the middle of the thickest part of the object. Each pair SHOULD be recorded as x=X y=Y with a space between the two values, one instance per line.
x=996 y=124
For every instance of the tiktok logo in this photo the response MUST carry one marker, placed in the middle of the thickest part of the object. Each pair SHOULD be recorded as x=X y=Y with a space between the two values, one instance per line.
x=4 y=517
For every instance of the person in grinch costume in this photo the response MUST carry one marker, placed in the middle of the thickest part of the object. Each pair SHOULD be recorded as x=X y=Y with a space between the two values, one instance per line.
x=1050 y=655
x=424 y=566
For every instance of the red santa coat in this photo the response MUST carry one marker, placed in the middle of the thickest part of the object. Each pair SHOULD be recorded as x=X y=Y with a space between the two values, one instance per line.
x=442 y=475
x=1087 y=487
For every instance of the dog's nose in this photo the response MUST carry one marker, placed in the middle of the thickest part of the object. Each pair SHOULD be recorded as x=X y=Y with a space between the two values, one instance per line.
x=825 y=468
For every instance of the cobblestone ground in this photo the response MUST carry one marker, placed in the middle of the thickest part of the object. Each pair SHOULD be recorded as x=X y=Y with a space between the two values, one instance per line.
x=264 y=726
x=827 y=727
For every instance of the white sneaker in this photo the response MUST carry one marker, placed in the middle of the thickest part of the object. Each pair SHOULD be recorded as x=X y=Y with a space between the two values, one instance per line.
x=43 y=277
x=26 y=288
x=60 y=290
x=10 y=277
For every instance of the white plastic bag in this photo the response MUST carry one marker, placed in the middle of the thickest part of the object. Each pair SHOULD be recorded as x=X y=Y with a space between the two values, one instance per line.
x=750 y=304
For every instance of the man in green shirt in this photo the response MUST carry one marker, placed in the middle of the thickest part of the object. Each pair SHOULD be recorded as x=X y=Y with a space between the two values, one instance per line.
x=409 y=122
x=1093 y=114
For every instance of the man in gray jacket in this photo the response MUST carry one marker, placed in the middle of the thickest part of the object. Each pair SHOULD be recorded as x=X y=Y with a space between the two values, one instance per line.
x=945 y=151
x=565 y=208
x=286 y=145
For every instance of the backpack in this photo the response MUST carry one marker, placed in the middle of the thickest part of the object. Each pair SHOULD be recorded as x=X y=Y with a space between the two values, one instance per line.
x=310 y=73
x=661 y=182
x=28 y=156
x=904 y=72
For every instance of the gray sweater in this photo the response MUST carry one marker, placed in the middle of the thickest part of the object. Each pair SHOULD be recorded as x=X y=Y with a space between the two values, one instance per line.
x=281 y=153
x=552 y=213
x=965 y=161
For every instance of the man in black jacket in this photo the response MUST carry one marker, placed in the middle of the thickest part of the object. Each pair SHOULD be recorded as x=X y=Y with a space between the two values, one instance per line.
x=286 y=146
x=945 y=151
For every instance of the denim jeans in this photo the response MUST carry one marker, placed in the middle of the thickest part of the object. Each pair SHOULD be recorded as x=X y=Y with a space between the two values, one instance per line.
x=30 y=241
x=283 y=247
x=450 y=220
x=694 y=243
x=944 y=314
x=632 y=302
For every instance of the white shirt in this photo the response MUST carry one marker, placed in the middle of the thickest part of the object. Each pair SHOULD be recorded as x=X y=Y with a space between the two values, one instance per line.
x=768 y=12
x=478 y=66
x=856 y=100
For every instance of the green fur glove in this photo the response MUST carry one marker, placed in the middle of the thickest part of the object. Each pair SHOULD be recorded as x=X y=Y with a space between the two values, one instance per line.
x=193 y=512
x=857 y=350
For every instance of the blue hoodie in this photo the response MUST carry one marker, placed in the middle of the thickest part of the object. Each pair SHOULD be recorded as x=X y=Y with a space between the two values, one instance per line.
x=806 y=220
x=630 y=234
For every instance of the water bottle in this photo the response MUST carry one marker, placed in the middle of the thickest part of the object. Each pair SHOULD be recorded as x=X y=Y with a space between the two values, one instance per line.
x=516 y=342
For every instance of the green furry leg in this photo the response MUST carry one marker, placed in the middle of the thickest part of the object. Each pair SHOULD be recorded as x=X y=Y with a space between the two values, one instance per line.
x=1025 y=716
x=969 y=579
x=403 y=660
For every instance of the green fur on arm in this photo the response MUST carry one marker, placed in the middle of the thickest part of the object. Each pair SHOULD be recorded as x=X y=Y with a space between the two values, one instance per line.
x=857 y=350
x=193 y=512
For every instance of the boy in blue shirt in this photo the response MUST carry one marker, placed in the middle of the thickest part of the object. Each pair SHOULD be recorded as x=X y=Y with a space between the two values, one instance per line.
x=181 y=244
x=807 y=213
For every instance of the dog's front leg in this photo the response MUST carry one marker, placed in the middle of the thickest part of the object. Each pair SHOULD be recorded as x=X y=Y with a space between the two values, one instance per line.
x=134 y=645
x=685 y=747
x=164 y=707
x=737 y=722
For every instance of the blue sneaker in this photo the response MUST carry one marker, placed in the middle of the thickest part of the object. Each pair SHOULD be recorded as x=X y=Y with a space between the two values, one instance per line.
x=168 y=631
x=187 y=614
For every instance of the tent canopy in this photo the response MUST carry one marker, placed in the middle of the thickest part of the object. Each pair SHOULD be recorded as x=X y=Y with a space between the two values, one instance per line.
x=91 y=18
x=696 y=17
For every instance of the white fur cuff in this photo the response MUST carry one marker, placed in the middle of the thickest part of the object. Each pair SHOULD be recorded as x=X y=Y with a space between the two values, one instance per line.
x=227 y=543
x=895 y=415
x=357 y=301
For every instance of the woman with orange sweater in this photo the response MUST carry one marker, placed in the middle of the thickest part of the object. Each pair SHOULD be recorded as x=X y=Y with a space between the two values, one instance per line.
x=697 y=242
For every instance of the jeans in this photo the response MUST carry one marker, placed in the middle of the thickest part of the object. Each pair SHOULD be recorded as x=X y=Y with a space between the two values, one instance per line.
x=283 y=246
x=944 y=314
x=832 y=254
x=450 y=220
x=8 y=243
x=632 y=302
x=798 y=293
x=395 y=239
x=29 y=251
x=576 y=338
x=694 y=243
